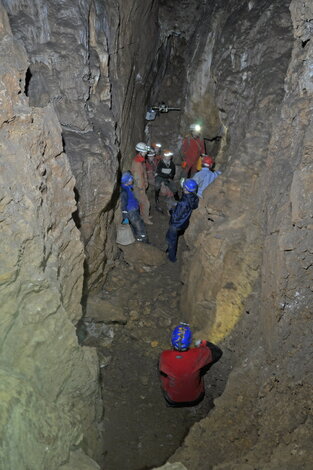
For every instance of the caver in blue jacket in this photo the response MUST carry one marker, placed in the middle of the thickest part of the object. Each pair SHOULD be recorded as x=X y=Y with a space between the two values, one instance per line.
x=179 y=220
x=128 y=200
x=205 y=177
x=130 y=211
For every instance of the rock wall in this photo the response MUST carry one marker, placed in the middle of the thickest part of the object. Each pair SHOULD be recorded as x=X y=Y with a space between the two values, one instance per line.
x=248 y=280
x=91 y=60
x=48 y=388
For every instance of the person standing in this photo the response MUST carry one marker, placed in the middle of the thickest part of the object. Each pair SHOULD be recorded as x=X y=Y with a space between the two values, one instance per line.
x=165 y=173
x=130 y=208
x=205 y=176
x=180 y=216
x=157 y=147
x=151 y=166
x=138 y=170
x=191 y=150
x=182 y=368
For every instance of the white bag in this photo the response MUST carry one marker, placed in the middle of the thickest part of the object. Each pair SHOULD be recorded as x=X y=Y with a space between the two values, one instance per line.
x=124 y=234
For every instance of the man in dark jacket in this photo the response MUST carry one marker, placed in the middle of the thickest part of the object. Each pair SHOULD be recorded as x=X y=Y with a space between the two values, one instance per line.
x=180 y=216
x=165 y=173
x=130 y=208
x=182 y=368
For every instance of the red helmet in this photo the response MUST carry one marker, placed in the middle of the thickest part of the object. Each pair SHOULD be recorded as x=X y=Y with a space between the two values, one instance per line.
x=207 y=161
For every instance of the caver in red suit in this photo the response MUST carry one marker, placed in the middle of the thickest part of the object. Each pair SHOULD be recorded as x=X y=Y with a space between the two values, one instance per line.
x=139 y=173
x=151 y=166
x=192 y=148
x=182 y=371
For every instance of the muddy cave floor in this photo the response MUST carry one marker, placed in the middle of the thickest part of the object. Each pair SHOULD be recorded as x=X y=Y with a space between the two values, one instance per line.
x=141 y=432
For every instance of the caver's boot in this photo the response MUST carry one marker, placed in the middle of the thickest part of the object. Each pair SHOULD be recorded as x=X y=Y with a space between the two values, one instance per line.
x=156 y=198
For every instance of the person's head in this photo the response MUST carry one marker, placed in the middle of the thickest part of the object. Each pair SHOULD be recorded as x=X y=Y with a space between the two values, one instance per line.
x=167 y=155
x=181 y=337
x=151 y=155
x=190 y=186
x=207 y=161
x=156 y=146
x=127 y=179
x=142 y=148
x=195 y=129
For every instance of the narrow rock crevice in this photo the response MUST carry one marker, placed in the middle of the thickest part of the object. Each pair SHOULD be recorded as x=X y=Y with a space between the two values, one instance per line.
x=82 y=322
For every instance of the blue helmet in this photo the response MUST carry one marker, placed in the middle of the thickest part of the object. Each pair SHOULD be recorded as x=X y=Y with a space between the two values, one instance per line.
x=190 y=185
x=127 y=177
x=181 y=337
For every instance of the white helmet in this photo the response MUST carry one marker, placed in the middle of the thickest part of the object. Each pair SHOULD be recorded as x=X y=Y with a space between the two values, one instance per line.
x=195 y=127
x=142 y=147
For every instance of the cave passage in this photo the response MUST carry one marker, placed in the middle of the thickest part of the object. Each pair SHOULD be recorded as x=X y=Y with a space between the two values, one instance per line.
x=140 y=431
x=77 y=79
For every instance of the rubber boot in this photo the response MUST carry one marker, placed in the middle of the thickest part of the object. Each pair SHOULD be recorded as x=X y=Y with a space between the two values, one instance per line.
x=156 y=197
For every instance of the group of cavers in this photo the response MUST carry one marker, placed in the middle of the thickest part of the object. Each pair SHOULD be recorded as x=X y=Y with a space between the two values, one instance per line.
x=154 y=168
x=181 y=368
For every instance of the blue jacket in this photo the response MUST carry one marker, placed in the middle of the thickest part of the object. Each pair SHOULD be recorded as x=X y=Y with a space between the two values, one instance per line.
x=180 y=215
x=205 y=177
x=128 y=200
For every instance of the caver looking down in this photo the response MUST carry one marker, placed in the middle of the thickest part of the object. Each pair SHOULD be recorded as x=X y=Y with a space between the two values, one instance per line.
x=182 y=368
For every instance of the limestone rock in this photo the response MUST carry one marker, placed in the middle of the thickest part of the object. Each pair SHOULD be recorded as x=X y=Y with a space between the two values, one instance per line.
x=143 y=254
x=101 y=310
x=172 y=466
x=251 y=238
x=80 y=461
x=46 y=376
x=70 y=45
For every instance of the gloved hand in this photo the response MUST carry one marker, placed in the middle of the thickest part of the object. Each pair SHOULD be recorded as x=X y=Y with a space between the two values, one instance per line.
x=125 y=221
x=198 y=342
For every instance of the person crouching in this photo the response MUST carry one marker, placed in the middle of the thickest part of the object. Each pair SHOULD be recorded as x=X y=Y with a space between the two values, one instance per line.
x=182 y=368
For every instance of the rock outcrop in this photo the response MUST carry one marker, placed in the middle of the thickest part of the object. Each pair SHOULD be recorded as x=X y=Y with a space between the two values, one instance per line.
x=50 y=401
x=249 y=274
x=92 y=62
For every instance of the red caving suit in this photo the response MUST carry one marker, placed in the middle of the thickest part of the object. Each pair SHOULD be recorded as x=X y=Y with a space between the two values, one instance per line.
x=181 y=373
x=191 y=150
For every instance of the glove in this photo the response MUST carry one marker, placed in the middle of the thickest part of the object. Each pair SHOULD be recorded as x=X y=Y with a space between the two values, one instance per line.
x=125 y=221
x=198 y=342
